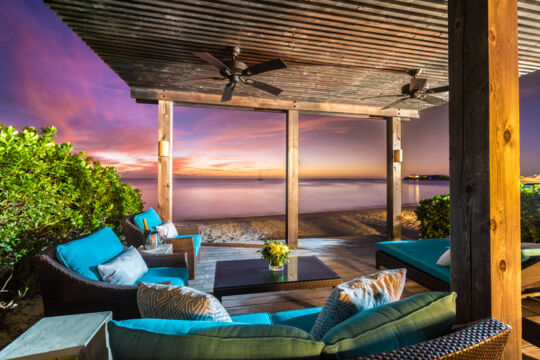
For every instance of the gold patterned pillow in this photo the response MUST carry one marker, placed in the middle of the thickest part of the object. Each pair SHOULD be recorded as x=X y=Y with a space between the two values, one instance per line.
x=363 y=293
x=178 y=303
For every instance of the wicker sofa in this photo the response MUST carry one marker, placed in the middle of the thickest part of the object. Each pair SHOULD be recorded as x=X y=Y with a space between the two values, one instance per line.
x=285 y=336
x=482 y=340
x=65 y=291
x=188 y=244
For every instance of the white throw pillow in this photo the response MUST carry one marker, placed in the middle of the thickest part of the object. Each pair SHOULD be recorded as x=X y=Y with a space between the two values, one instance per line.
x=167 y=230
x=178 y=303
x=124 y=269
x=363 y=293
x=444 y=260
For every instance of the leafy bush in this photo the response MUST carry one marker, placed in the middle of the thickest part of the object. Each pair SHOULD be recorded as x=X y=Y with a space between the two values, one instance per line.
x=50 y=195
x=434 y=215
x=530 y=213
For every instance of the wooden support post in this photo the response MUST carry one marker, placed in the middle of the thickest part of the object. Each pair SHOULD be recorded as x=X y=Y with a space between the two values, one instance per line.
x=484 y=163
x=291 y=221
x=393 y=178
x=165 y=159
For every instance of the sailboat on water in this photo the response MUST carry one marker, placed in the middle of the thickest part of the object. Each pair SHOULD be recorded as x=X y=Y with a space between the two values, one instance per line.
x=260 y=178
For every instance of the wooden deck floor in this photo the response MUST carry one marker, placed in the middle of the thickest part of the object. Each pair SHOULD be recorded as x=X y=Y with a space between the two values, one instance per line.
x=350 y=258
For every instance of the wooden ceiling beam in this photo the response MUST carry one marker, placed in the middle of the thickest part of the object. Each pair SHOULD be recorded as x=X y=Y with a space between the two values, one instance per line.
x=255 y=103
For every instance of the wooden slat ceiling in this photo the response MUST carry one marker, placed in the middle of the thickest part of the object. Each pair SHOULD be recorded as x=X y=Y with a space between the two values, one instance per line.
x=337 y=51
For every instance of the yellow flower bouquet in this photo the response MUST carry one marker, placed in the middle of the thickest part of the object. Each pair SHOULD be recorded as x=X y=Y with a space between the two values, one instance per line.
x=276 y=253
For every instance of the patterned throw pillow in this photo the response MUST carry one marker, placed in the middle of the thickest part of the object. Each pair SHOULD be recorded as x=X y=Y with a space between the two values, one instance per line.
x=363 y=293
x=178 y=303
x=167 y=230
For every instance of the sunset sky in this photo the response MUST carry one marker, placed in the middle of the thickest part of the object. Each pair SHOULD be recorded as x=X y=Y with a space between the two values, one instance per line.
x=50 y=77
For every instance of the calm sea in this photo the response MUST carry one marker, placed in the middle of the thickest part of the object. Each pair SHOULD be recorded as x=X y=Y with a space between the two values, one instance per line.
x=209 y=198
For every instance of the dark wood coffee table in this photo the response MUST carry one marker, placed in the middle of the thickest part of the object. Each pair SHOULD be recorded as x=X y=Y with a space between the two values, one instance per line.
x=253 y=276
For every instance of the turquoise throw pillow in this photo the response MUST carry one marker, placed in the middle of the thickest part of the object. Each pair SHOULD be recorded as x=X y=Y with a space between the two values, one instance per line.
x=392 y=326
x=300 y=318
x=216 y=341
x=152 y=218
x=85 y=254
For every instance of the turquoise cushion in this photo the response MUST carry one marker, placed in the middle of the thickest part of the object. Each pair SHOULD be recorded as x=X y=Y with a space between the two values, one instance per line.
x=253 y=319
x=170 y=327
x=301 y=318
x=211 y=341
x=85 y=254
x=196 y=241
x=526 y=254
x=152 y=218
x=392 y=326
x=422 y=254
x=178 y=276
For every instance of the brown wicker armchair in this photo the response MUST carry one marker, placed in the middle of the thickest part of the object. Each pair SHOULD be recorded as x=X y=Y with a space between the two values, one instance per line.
x=66 y=292
x=482 y=340
x=134 y=237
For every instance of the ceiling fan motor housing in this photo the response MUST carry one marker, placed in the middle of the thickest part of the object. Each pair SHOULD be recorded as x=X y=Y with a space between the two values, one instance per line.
x=236 y=67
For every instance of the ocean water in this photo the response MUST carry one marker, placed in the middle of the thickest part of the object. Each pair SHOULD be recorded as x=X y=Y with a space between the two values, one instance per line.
x=210 y=198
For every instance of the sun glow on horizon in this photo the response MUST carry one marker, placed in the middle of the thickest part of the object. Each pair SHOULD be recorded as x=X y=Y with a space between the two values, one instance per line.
x=55 y=79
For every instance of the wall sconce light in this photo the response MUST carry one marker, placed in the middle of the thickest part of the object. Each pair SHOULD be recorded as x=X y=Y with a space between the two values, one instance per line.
x=398 y=155
x=163 y=148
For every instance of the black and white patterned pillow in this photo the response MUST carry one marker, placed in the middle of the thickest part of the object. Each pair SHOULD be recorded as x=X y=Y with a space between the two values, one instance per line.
x=178 y=303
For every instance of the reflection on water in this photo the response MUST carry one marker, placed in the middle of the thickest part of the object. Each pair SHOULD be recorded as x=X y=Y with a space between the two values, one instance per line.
x=206 y=198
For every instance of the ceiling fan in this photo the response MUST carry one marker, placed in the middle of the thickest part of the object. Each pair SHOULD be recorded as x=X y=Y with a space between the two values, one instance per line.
x=417 y=89
x=238 y=72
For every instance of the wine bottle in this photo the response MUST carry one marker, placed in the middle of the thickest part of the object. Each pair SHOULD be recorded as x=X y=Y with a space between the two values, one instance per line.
x=146 y=233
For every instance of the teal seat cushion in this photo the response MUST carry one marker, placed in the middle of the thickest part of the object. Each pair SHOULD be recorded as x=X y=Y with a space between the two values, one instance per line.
x=210 y=341
x=529 y=250
x=170 y=327
x=392 y=326
x=253 y=319
x=178 y=276
x=196 y=241
x=152 y=218
x=301 y=318
x=85 y=254
x=422 y=254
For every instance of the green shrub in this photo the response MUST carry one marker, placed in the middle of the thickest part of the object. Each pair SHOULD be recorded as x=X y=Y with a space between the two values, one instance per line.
x=434 y=215
x=49 y=195
x=530 y=213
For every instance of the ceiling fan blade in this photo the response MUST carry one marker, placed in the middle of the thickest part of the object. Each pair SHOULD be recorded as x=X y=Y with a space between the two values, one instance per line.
x=212 y=60
x=381 y=96
x=392 y=104
x=275 y=64
x=188 y=81
x=263 y=86
x=227 y=92
x=418 y=84
x=439 y=89
x=432 y=99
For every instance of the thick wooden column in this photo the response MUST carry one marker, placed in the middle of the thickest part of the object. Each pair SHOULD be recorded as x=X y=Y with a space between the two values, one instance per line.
x=165 y=159
x=484 y=162
x=393 y=178
x=291 y=221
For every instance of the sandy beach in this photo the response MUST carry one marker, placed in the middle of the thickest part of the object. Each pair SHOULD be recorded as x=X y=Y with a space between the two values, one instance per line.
x=353 y=224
